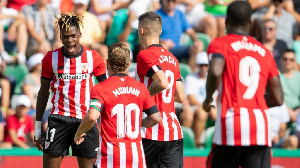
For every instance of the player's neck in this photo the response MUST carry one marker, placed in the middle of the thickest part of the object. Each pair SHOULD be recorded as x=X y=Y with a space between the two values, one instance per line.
x=151 y=40
x=238 y=30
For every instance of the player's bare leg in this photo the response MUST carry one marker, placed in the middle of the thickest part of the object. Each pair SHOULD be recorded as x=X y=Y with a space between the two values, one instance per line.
x=50 y=161
x=85 y=162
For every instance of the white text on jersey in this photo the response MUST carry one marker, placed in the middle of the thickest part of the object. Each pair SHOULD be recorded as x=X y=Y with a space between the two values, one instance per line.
x=238 y=45
x=75 y=76
x=169 y=59
x=126 y=90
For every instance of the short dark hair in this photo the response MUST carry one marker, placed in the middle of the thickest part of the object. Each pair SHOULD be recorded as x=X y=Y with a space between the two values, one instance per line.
x=151 y=21
x=288 y=50
x=239 y=13
x=118 y=57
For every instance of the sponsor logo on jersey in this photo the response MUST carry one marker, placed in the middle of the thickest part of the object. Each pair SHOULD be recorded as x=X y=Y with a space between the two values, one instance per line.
x=75 y=76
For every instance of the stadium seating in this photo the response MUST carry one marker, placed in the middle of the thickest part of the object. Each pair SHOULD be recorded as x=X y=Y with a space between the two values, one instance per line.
x=185 y=69
x=188 y=137
x=187 y=41
x=18 y=72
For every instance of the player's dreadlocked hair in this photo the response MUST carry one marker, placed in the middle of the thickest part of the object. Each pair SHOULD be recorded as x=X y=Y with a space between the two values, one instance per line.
x=118 y=57
x=67 y=20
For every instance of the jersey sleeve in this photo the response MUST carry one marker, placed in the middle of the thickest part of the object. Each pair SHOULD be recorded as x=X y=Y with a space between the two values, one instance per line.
x=214 y=47
x=146 y=64
x=273 y=70
x=149 y=104
x=47 y=71
x=99 y=67
x=96 y=101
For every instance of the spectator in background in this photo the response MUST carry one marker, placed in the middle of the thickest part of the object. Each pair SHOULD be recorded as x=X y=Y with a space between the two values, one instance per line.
x=19 y=125
x=31 y=83
x=290 y=81
x=199 y=19
x=296 y=46
x=292 y=6
x=195 y=85
x=286 y=23
x=270 y=41
x=18 y=4
x=91 y=34
x=4 y=99
x=12 y=30
x=103 y=10
x=174 y=24
x=279 y=117
x=40 y=19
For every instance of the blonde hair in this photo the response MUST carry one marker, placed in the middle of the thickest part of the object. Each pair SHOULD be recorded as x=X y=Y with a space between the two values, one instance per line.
x=118 y=57
x=66 y=21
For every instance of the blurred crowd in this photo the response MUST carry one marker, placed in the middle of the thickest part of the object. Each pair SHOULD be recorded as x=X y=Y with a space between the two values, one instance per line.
x=28 y=31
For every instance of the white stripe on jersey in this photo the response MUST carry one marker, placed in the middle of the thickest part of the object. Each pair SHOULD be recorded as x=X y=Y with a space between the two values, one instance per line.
x=122 y=155
x=146 y=79
x=174 y=118
x=77 y=89
x=261 y=129
x=135 y=155
x=155 y=69
x=66 y=87
x=245 y=127
x=143 y=129
x=56 y=84
x=143 y=154
x=155 y=132
x=99 y=156
x=230 y=127
x=110 y=154
x=217 y=139
x=269 y=129
x=90 y=71
x=166 y=127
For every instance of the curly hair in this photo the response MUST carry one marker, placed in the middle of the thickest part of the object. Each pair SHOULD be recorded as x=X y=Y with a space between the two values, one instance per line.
x=118 y=57
x=67 y=20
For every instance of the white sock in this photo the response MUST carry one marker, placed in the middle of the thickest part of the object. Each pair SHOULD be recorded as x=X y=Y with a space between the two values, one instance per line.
x=21 y=58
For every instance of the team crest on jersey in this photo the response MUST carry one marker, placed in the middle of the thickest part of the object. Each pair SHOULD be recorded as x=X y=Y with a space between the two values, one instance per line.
x=84 y=66
x=47 y=144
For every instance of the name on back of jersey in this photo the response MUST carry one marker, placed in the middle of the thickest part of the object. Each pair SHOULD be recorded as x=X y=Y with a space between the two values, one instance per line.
x=75 y=76
x=126 y=90
x=169 y=59
x=238 y=45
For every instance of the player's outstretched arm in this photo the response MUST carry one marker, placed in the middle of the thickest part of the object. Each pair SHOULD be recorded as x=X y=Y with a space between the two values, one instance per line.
x=159 y=83
x=179 y=92
x=86 y=124
x=42 y=99
x=151 y=120
x=214 y=76
x=275 y=93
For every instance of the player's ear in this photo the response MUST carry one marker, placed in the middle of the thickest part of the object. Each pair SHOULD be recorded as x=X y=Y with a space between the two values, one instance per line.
x=142 y=31
x=160 y=32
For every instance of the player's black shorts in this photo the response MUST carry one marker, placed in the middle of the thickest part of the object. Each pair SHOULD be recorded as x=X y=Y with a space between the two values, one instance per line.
x=60 y=136
x=235 y=156
x=163 y=153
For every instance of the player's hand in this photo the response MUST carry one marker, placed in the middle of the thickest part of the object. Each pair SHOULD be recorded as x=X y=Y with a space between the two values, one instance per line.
x=78 y=139
x=38 y=142
x=207 y=105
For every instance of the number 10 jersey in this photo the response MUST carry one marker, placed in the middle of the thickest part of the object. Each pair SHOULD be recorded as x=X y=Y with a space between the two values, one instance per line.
x=242 y=119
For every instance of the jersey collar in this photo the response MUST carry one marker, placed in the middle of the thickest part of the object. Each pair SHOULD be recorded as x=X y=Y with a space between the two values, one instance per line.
x=119 y=74
x=155 y=45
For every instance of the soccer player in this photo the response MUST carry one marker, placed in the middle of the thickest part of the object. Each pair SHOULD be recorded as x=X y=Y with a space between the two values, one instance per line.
x=242 y=69
x=158 y=69
x=68 y=71
x=120 y=100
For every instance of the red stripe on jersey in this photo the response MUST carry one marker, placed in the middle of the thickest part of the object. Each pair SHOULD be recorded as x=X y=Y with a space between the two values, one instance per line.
x=223 y=126
x=253 y=131
x=60 y=63
x=116 y=156
x=83 y=87
x=178 y=126
x=129 y=156
x=71 y=93
x=237 y=128
x=103 y=159
x=266 y=128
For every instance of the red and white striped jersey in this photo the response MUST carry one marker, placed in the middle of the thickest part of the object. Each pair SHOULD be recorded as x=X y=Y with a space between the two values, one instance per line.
x=71 y=79
x=122 y=100
x=149 y=61
x=242 y=119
